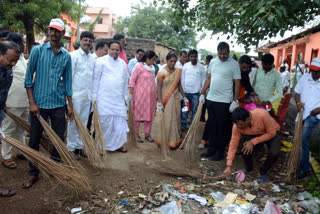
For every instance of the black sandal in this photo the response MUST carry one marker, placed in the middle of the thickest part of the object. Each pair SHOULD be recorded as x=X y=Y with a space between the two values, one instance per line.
x=29 y=183
x=149 y=138
x=139 y=139
x=6 y=192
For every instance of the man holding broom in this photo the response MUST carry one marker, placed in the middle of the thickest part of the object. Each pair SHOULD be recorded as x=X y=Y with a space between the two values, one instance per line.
x=308 y=92
x=82 y=72
x=9 y=55
x=48 y=91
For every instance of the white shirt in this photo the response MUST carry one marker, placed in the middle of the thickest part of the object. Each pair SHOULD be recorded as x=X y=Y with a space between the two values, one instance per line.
x=179 y=65
x=285 y=65
x=17 y=95
x=223 y=73
x=110 y=86
x=285 y=77
x=95 y=55
x=193 y=77
x=309 y=91
x=82 y=72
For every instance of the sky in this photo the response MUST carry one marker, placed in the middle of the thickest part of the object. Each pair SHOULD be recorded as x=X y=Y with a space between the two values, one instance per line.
x=123 y=8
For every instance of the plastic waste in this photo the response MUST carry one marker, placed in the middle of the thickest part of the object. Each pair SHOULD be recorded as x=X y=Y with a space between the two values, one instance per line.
x=75 y=210
x=200 y=199
x=218 y=196
x=238 y=208
x=124 y=202
x=229 y=199
x=172 y=207
x=275 y=188
x=240 y=177
x=168 y=188
x=270 y=208
x=305 y=196
x=286 y=208
x=312 y=206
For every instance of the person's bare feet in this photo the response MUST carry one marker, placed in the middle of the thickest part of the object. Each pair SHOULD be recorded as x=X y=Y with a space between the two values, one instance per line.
x=122 y=149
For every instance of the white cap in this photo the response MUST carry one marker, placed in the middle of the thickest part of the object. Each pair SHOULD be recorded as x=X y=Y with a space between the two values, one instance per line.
x=57 y=24
x=315 y=64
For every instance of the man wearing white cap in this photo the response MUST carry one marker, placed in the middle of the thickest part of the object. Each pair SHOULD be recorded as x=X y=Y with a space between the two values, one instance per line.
x=48 y=91
x=308 y=93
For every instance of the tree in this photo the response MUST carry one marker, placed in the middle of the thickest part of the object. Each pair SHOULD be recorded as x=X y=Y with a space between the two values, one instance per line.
x=250 y=21
x=33 y=16
x=204 y=53
x=156 y=23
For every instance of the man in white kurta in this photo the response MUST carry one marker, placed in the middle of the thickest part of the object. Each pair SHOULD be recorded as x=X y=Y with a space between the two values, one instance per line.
x=82 y=72
x=110 y=90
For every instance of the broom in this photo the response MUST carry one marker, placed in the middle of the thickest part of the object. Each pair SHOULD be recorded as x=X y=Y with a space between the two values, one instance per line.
x=132 y=128
x=64 y=174
x=295 y=152
x=60 y=146
x=164 y=141
x=45 y=142
x=189 y=140
x=99 y=138
x=90 y=145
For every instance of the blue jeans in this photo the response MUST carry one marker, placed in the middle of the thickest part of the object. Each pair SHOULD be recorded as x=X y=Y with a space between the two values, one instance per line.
x=194 y=102
x=309 y=124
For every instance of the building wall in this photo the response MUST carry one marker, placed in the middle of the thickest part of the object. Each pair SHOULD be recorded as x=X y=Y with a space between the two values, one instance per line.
x=309 y=47
x=162 y=51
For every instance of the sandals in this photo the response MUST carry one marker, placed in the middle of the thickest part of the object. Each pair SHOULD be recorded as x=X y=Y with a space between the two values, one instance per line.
x=6 y=192
x=10 y=164
x=149 y=138
x=139 y=139
x=122 y=150
x=29 y=183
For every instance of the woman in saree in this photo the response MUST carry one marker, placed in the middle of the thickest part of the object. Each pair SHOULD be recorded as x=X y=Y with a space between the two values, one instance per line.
x=168 y=100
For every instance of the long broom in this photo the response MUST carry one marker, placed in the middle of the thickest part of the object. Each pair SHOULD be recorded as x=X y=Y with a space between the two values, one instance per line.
x=60 y=146
x=44 y=141
x=164 y=140
x=63 y=174
x=90 y=145
x=294 y=157
x=132 y=129
x=99 y=138
x=189 y=140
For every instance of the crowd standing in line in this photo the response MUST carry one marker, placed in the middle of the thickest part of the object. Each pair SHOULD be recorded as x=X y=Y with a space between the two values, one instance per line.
x=57 y=83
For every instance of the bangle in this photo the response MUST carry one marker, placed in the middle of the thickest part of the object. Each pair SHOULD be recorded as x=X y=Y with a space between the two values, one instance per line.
x=228 y=166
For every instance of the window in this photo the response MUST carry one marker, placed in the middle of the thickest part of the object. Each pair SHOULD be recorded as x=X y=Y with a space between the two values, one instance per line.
x=100 y=21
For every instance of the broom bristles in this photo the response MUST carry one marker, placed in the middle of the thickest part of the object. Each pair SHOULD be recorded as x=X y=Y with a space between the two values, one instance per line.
x=99 y=138
x=165 y=151
x=294 y=156
x=189 y=140
x=90 y=145
x=132 y=128
x=44 y=141
x=60 y=146
x=63 y=174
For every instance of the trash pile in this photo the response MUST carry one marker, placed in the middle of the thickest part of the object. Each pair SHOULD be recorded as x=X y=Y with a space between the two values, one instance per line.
x=222 y=197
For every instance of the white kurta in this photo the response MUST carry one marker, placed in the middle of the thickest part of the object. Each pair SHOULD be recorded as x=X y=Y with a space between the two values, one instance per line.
x=110 y=88
x=82 y=76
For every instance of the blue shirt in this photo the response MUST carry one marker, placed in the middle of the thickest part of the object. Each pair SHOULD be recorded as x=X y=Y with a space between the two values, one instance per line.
x=53 y=79
x=131 y=65
x=6 y=78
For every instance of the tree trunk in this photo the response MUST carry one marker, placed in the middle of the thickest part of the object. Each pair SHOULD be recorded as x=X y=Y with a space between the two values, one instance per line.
x=29 y=28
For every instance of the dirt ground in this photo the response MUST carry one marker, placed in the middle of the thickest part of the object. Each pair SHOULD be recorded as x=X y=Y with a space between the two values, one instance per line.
x=130 y=172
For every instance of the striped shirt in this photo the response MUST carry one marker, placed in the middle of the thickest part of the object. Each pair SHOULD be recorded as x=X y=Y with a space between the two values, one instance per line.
x=53 y=79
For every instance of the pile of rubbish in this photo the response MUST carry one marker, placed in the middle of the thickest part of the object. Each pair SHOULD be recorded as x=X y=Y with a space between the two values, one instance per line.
x=221 y=197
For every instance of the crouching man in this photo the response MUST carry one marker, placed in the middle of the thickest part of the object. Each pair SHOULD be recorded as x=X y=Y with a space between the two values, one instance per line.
x=251 y=130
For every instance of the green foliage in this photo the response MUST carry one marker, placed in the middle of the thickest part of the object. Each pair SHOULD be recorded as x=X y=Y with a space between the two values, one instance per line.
x=250 y=21
x=205 y=53
x=93 y=24
x=30 y=16
x=158 y=24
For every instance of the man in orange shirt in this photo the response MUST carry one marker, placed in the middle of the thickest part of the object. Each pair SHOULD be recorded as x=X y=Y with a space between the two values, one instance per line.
x=253 y=129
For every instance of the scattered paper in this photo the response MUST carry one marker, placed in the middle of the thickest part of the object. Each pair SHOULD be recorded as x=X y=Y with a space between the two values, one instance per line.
x=229 y=199
x=249 y=196
x=200 y=199
x=75 y=210
x=120 y=193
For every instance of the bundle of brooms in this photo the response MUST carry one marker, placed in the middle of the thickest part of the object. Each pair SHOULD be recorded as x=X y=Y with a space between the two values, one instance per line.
x=66 y=156
x=132 y=129
x=90 y=146
x=97 y=130
x=189 y=142
x=45 y=142
x=63 y=174
x=294 y=157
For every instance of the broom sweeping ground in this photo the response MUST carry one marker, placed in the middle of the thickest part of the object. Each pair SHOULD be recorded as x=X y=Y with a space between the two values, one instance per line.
x=60 y=146
x=63 y=174
x=90 y=146
x=294 y=157
x=97 y=129
x=189 y=142
x=132 y=129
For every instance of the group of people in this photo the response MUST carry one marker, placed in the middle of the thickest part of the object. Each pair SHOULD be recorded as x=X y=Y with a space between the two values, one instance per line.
x=237 y=96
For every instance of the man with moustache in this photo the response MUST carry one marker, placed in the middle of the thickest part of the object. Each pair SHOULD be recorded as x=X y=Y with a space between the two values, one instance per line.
x=48 y=91
x=9 y=55
x=82 y=71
